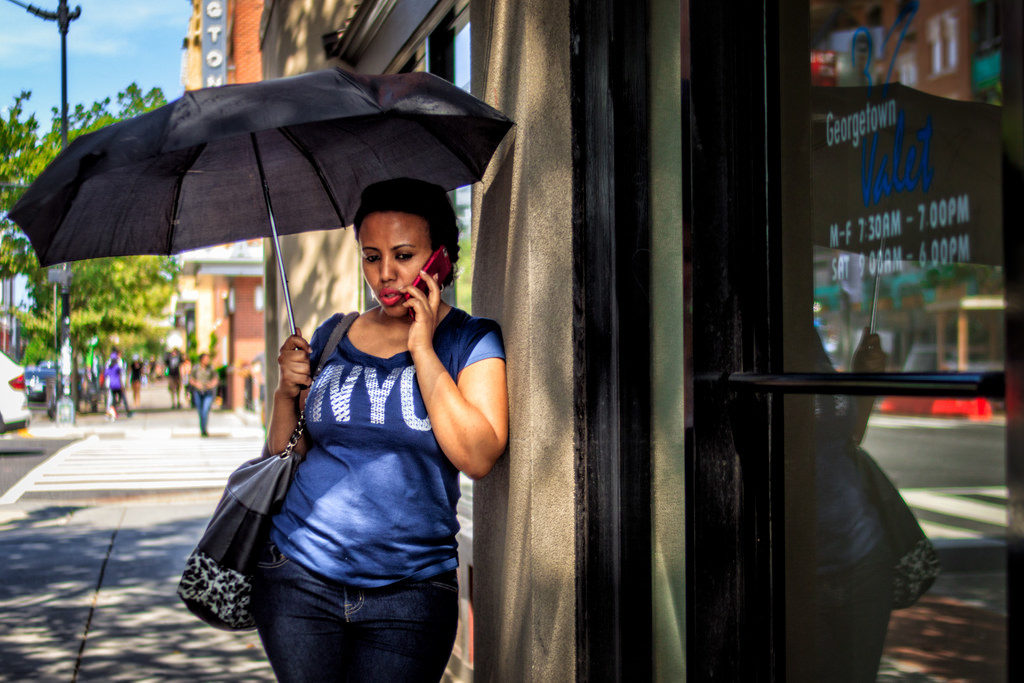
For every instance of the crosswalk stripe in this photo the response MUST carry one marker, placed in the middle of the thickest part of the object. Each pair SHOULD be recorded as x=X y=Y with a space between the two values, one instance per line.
x=959 y=513
x=904 y=421
x=95 y=464
x=132 y=486
x=101 y=477
x=957 y=506
x=934 y=530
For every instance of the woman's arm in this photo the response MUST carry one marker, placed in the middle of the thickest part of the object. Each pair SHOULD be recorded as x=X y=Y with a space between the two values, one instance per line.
x=289 y=398
x=469 y=418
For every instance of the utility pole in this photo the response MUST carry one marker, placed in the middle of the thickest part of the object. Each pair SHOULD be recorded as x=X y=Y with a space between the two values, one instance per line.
x=65 y=404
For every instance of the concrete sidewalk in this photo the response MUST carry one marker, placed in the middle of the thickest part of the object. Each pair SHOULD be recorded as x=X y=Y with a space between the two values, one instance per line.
x=88 y=593
x=87 y=590
x=152 y=418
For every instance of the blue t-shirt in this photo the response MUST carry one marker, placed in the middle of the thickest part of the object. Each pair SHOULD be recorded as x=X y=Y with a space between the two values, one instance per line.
x=374 y=501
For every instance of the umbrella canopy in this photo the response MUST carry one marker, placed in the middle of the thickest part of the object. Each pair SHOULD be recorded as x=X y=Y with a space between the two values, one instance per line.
x=193 y=173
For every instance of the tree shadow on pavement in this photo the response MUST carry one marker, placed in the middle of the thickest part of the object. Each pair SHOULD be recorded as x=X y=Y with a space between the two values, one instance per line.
x=137 y=628
x=947 y=639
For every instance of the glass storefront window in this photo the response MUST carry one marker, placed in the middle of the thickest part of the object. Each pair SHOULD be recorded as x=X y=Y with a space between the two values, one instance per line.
x=463 y=196
x=904 y=276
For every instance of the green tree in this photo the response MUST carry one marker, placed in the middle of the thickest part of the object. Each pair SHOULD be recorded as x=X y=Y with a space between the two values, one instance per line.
x=110 y=296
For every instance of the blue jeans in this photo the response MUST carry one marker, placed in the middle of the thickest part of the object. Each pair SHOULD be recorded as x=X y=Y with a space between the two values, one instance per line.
x=314 y=629
x=203 y=401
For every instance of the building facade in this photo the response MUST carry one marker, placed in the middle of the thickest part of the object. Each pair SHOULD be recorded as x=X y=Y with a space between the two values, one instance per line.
x=219 y=309
x=222 y=44
x=220 y=299
x=703 y=215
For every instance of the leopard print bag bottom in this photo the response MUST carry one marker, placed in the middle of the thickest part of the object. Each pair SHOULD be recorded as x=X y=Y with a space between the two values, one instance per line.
x=218 y=595
x=216 y=585
x=915 y=562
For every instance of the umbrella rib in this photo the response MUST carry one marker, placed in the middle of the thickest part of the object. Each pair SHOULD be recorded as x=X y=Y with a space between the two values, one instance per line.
x=305 y=152
x=176 y=206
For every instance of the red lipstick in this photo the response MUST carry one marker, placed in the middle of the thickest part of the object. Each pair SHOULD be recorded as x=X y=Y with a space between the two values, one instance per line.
x=389 y=297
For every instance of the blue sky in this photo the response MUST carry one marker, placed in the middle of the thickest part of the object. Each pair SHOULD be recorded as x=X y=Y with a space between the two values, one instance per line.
x=112 y=44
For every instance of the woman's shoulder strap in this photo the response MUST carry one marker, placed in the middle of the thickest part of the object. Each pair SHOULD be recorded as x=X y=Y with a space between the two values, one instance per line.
x=336 y=334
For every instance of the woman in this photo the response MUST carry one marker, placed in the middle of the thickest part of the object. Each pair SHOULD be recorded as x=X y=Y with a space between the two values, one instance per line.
x=359 y=582
x=115 y=377
x=203 y=382
x=854 y=563
x=136 y=380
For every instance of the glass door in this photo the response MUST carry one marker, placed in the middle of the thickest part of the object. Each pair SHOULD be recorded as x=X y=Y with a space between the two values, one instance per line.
x=893 y=318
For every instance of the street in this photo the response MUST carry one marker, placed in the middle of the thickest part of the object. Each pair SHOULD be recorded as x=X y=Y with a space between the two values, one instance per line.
x=96 y=520
x=952 y=474
x=95 y=524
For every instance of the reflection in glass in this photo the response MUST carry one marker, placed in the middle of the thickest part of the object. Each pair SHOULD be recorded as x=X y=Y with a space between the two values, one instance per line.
x=906 y=247
x=854 y=590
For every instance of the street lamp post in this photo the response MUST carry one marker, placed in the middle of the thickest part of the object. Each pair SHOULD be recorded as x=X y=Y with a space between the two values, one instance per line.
x=65 y=405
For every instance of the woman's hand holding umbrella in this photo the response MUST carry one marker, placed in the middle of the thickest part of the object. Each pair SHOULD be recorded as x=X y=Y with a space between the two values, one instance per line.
x=868 y=357
x=294 y=363
x=294 y=377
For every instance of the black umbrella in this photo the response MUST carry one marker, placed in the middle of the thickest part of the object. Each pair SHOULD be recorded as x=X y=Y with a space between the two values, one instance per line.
x=253 y=160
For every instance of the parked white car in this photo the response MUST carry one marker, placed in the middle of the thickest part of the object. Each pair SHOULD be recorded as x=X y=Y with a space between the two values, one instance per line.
x=14 y=412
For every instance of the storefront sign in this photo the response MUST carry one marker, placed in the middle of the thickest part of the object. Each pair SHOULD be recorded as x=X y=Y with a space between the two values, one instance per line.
x=215 y=63
x=900 y=176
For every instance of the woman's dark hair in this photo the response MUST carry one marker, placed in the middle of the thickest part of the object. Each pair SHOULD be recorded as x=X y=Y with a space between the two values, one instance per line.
x=419 y=198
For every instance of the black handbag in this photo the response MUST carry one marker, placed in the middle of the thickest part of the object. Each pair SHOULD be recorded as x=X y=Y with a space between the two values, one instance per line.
x=216 y=585
x=916 y=564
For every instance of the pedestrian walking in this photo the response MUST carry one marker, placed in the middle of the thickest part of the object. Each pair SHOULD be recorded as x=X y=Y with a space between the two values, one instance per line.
x=135 y=376
x=116 y=377
x=173 y=365
x=358 y=581
x=203 y=381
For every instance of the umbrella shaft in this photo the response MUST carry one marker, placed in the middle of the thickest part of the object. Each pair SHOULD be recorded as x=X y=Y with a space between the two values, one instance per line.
x=274 y=237
x=874 y=297
x=280 y=264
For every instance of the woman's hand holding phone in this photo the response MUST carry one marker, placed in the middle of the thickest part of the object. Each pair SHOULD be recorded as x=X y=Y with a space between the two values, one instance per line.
x=423 y=309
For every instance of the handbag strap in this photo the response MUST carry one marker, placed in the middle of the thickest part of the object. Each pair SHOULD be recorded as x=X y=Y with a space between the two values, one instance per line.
x=332 y=342
x=337 y=333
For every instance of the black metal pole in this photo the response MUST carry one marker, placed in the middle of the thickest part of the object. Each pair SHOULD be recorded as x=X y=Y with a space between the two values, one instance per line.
x=62 y=24
x=63 y=16
x=65 y=400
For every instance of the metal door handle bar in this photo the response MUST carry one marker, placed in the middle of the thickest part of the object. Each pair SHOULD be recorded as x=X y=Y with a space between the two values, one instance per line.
x=946 y=384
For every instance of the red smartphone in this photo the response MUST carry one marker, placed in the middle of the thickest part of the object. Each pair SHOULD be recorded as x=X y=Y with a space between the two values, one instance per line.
x=438 y=264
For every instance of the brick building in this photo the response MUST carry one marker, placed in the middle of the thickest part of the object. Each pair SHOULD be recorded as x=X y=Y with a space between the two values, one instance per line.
x=219 y=309
x=222 y=45
x=220 y=300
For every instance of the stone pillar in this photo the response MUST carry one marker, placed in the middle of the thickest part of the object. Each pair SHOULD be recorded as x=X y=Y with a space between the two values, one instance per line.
x=523 y=512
